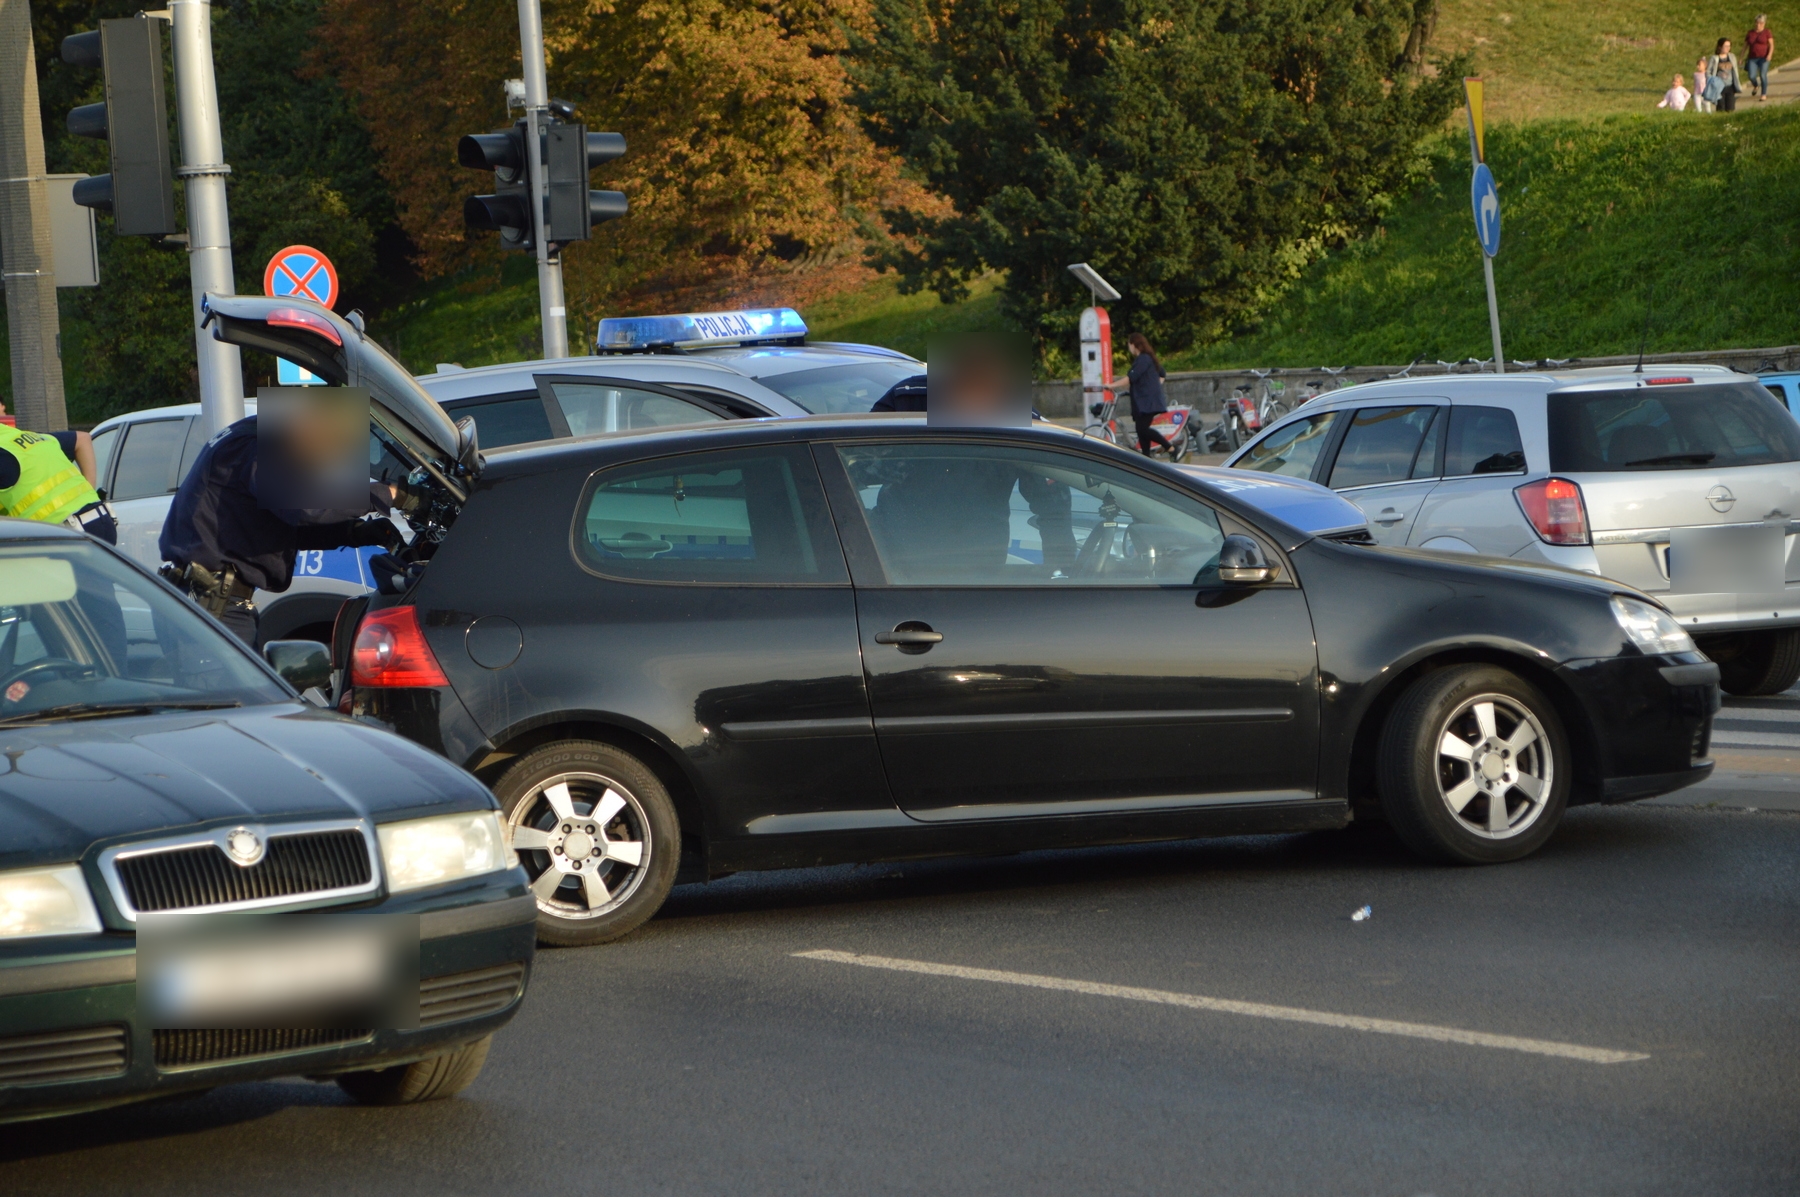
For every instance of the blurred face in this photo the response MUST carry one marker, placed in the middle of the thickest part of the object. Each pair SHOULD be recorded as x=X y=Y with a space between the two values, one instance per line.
x=1762 y=22
x=978 y=381
x=1725 y=47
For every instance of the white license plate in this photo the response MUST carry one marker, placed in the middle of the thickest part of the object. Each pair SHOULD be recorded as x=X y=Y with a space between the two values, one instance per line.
x=1737 y=559
x=201 y=981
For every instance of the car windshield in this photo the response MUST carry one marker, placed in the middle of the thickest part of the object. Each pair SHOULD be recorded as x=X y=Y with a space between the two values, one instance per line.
x=837 y=390
x=1670 y=428
x=83 y=634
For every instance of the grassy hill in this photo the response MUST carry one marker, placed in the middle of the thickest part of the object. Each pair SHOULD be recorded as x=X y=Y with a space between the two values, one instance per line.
x=1577 y=58
x=1598 y=217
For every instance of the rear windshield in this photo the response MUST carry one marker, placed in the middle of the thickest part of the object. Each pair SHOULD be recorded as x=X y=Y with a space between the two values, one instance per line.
x=838 y=390
x=1670 y=428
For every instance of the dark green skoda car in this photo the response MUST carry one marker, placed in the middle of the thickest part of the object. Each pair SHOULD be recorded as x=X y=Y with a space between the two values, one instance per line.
x=157 y=781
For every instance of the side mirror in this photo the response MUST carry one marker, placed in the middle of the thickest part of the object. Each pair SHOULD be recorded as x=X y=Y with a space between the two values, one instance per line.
x=302 y=664
x=1241 y=561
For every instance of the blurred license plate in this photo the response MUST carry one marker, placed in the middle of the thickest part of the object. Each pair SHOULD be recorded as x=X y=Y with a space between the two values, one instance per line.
x=1731 y=560
x=274 y=974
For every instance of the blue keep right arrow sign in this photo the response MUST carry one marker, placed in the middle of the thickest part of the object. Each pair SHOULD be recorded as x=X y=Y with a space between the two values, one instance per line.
x=1485 y=200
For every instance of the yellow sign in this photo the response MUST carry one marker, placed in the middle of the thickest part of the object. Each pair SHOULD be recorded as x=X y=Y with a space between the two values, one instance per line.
x=1472 y=92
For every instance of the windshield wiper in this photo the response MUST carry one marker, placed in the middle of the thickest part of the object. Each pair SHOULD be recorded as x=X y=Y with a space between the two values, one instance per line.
x=109 y=710
x=1698 y=458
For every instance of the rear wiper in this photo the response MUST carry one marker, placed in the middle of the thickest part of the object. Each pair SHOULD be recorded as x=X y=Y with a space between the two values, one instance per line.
x=1700 y=458
x=108 y=710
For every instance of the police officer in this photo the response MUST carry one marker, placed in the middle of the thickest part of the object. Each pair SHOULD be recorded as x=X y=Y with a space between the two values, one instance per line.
x=226 y=536
x=50 y=477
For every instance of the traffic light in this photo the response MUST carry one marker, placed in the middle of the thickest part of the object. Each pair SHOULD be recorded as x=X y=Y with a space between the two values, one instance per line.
x=509 y=208
x=570 y=151
x=134 y=120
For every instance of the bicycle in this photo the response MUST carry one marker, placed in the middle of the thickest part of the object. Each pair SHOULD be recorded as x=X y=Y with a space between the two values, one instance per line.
x=1103 y=423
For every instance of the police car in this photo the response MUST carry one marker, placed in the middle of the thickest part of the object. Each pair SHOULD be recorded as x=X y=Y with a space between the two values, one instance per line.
x=650 y=371
x=143 y=456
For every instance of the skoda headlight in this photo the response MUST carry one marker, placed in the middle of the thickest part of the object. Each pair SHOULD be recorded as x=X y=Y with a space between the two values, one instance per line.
x=442 y=849
x=52 y=901
x=1652 y=629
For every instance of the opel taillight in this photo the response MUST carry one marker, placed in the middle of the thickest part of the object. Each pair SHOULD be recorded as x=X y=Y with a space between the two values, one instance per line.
x=390 y=650
x=1554 y=507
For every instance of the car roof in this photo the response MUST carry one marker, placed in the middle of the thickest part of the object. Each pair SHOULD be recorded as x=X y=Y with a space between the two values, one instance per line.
x=762 y=361
x=1529 y=380
x=12 y=529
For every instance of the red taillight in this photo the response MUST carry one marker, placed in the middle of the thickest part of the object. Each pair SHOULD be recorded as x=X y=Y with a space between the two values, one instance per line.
x=1666 y=382
x=312 y=322
x=1555 y=509
x=390 y=650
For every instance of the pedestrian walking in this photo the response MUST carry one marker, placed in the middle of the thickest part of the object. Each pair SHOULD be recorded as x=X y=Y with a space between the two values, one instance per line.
x=1676 y=98
x=1147 y=401
x=1722 y=76
x=1759 y=47
x=1701 y=83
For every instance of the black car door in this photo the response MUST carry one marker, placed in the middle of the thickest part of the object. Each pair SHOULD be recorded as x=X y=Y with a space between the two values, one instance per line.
x=1044 y=632
x=705 y=599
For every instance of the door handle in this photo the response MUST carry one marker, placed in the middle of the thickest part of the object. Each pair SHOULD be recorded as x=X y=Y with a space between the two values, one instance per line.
x=1389 y=516
x=911 y=634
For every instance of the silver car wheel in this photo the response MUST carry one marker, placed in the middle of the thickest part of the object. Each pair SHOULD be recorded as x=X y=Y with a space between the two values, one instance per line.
x=1495 y=766
x=585 y=841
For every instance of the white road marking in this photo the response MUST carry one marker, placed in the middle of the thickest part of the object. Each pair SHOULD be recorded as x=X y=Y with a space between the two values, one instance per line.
x=1788 y=715
x=1749 y=739
x=1348 y=1022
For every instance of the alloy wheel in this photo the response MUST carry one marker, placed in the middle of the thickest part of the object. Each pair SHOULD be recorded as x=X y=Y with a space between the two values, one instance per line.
x=585 y=841
x=1495 y=767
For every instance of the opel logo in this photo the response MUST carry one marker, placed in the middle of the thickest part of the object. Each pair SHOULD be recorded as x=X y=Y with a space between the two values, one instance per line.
x=1721 y=498
x=244 y=846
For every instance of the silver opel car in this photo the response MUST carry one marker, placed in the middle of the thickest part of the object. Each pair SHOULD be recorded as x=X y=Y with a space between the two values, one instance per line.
x=1683 y=481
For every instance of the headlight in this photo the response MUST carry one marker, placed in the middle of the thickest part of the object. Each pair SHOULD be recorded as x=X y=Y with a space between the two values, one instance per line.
x=52 y=901
x=443 y=848
x=1652 y=629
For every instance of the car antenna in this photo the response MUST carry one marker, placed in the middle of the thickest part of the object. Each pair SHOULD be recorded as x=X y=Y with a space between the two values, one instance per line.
x=1645 y=339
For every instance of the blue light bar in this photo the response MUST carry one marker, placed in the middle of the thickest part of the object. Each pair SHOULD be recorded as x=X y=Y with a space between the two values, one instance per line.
x=625 y=334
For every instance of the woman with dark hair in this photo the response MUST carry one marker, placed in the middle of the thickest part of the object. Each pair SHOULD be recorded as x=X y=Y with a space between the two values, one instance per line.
x=1147 y=402
x=1722 y=75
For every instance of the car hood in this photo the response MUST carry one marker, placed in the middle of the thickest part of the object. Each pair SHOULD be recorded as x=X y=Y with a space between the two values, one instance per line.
x=66 y=786
x=1311 y=508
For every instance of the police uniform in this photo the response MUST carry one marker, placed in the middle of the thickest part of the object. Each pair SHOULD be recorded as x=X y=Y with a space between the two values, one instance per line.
x=39 y=480
x=219 y=522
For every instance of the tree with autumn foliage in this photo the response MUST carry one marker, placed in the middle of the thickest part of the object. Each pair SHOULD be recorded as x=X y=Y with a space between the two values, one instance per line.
x=1198 y=153
x=745 y=155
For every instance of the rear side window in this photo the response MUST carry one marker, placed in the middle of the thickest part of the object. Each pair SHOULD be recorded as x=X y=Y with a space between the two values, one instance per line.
x=1380 y=445
x=603 y=407
x=1483 y=440
x=150 y=459
x=1670 y=428
x=1779 y=390
x=1292 y=450
x=506 y=420
x=105 y=441
x=836 y=390
x=746 y=516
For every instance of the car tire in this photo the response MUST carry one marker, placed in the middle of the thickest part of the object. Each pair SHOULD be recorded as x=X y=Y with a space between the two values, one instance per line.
x=595 y=878
x=1474 y=804
x=440 y=1076
x=1756 y=663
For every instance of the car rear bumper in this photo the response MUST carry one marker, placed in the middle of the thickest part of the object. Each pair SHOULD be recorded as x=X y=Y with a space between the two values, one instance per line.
x=1651 y=721
x=71 y=1037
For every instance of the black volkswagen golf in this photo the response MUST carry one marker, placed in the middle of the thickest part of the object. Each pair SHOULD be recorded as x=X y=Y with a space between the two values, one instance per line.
x=763 y=645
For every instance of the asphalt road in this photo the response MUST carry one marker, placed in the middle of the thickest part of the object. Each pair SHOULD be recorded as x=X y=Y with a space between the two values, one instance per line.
x=1191 y=1018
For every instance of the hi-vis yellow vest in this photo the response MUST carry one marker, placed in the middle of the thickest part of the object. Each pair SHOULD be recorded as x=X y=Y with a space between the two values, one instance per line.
x=50 y=487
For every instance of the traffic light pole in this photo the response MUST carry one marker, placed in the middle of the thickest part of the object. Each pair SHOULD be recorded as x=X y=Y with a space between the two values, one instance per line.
x=25 y=243
x=203 y=170
x=551 y=309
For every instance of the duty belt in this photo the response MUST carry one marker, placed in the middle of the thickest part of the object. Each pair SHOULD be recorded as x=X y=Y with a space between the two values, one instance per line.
x=82 y=519
x=218 y=592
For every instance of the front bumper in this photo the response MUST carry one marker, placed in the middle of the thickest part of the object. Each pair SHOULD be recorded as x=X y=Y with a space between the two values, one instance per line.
x=71 y=1038
x=1651 y=721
